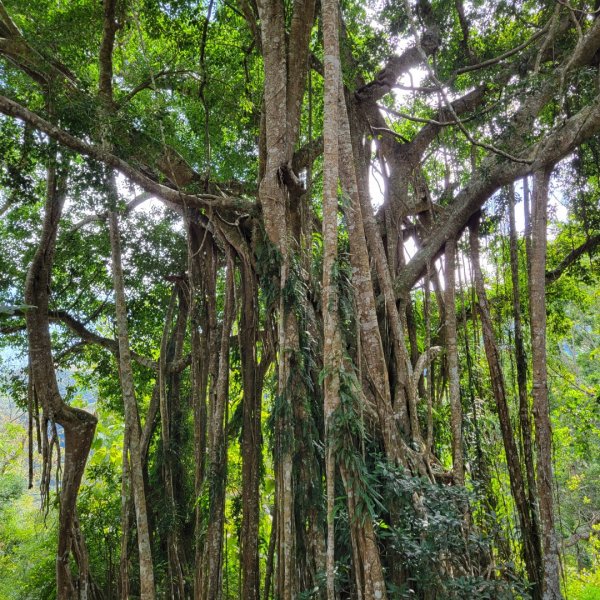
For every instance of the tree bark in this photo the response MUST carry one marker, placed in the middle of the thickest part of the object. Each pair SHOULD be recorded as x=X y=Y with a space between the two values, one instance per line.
x=125 y=520
x=458 y=461
x=541 y=407
x=372 y=355
x=285 y=74
x=212 y=561
x=78 y=425
x=199 y=257
x=251 y=433
x=368 y=571
x=521 y=363
x=132 y=422
x=168 y=394
x=531 y=549
x=332 y=344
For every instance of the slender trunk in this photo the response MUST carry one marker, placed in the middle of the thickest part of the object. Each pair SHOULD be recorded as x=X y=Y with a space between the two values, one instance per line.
x=368 y=570
x=149 y=425
x=521 y=361
x=429 y=395
x=87 y=588
x=332 y=345
x=267 y=592
x=458 y=461
x=132 y=422
x=531 y=550
x=251 y=434
x=125 y=521
x=527 y=223
x=541 y=408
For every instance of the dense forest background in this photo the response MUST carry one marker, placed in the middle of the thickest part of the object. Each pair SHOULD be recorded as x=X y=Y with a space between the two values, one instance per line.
x=299 y=299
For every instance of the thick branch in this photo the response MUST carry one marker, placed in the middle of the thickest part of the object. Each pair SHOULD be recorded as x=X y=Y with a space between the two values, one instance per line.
x=18 y=51
x=460 y=106
x=397 y=66
x=305 y=155
x=494 y=173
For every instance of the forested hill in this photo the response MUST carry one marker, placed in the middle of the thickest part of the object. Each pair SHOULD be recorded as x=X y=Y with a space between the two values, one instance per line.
x=299 y=300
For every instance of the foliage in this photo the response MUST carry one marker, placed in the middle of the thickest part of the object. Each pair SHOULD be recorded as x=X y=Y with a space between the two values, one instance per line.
x=189 y=113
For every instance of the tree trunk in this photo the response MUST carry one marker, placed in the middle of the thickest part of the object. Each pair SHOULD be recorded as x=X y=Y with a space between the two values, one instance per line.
x=78 y=425
x=212 y=561
x=372 y=355
x=524 y=409
x=458 y=460
x=125 y=520
x=168 y=392
x=285 y=76
x=199 y=254
x=332 y=345
x=541 y=408
x=132 y=422
x=368 y=572
x=251 y=444
x=404 y=400
x=531 y=550
x=267 y=592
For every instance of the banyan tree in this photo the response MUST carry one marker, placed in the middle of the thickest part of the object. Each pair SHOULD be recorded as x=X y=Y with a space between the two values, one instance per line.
x=298 y=256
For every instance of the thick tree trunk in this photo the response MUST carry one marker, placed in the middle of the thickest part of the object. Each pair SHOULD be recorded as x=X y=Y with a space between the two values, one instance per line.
x=169 y=393
x=283 y=89
x=199 y=254
x=212 y=561
x=541 y=408
x=132 y=422
x=78 y=425
x=368 y=571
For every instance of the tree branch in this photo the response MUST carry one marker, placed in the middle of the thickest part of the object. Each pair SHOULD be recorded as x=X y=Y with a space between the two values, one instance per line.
x=494 y=173
x=583 y=535
x=386 y=79
x=13 y=109
x=106 y=51
x=87 y=336
x=129 y=207
x=588 y=246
